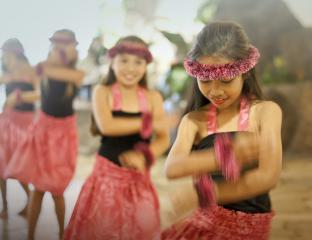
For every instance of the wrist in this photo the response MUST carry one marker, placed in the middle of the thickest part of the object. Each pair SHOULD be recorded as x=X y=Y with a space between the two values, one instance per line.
x=18 y=96
x=225 y=156
x=146 y=151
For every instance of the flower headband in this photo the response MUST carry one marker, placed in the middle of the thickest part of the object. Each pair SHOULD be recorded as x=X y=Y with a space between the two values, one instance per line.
x=131 y=49
x=63 y=40
x=206 y=72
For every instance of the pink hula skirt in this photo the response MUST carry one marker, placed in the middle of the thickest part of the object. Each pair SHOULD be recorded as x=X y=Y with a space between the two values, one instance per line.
x=115 y=203
x=13 y=129
x=47 y=157
x=219 y=223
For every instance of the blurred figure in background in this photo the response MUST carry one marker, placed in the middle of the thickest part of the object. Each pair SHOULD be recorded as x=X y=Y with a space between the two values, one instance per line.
x=47 y=157
x=21 y=83
x=118 y=200
x=93 y=66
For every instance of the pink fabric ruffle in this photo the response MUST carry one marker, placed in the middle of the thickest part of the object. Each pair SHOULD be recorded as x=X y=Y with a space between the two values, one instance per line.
x=219 y=223
x=47 y=156
x=147 y=117
x=244 y=114
x=13 y=129
x=147 y=125
x=226 y=158
x=115 y=203
x=205 y=189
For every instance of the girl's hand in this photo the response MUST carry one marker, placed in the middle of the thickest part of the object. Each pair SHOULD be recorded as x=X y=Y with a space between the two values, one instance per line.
x=246 y=147
x=11 y=100
x=133 y=160
x=54 y=58
x=62 y=56
x=160 y=125
x=71 y=53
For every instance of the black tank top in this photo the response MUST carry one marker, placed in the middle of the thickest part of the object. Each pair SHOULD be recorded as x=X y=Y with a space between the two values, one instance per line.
x=112 y=147
x=54 y=100
x=22 y=86
x=258 y=204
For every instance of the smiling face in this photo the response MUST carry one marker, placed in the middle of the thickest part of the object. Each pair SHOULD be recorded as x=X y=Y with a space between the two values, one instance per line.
x=129 y=69
x=221 y=92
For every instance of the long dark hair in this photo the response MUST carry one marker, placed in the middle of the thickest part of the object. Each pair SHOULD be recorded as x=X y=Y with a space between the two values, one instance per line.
x=227 y=40
x=14 y=46
x=111 y=78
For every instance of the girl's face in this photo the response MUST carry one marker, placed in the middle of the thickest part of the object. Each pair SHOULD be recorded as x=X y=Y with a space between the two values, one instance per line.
x=64 y=41
x=221 y=92
x=129 y=69
x=9 y=60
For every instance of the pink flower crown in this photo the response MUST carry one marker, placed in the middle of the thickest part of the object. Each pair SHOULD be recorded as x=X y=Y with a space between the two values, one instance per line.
x=206 y=72
x=131 y=49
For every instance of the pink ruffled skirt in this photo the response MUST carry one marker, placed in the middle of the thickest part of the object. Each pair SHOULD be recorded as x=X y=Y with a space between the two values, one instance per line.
x=47 y=156
x=219 y=223
x=115 y=203
x=13 y=129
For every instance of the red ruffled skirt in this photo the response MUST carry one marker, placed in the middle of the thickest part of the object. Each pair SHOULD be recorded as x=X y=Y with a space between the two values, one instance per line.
x=13 y=129
x=47 y=156
x=219 y=223
x=115 y=203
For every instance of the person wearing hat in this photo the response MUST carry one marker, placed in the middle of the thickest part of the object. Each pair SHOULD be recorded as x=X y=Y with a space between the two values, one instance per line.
x=20 y=82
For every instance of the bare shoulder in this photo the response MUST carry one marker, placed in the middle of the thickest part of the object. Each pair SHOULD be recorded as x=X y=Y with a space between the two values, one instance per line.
x=100 y=88
x=101 y=93
x=267 y=106
x=199 y=116
x=266 y=110
x=155 y=96
x=194 y=118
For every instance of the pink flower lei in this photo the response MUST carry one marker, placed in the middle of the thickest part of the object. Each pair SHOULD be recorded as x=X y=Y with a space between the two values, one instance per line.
x=206 y=72
x=131 y=49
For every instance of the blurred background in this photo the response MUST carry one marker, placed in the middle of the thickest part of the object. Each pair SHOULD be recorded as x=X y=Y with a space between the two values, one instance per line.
x=281 y=29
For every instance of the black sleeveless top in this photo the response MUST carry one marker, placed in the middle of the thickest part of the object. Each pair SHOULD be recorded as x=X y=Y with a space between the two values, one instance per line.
x=112 y=147
x=54 y=100
x=258 y=204
x=22 y=86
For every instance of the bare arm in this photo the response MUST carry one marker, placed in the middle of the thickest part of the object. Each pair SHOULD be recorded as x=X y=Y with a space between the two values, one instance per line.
x=107 y=124
x=180 y=161
x=64 y=74
x=4 y=79
x=265 y=177
x=32 y=96
x=25 y=96
x=161 y=141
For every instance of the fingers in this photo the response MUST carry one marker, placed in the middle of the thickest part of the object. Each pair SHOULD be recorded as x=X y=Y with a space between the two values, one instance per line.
x=246 y=147
x=126 y=162
x=132 y=160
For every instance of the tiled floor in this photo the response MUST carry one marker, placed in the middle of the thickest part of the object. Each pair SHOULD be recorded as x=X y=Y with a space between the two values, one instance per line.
x=292 y=201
